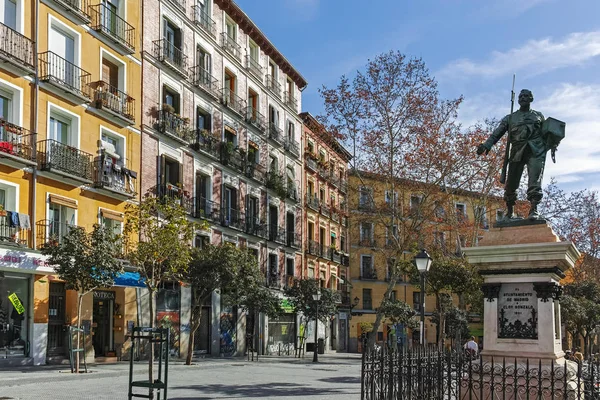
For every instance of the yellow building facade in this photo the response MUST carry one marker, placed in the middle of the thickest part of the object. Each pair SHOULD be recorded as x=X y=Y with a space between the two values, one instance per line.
x=372 y=202
x=70 y=92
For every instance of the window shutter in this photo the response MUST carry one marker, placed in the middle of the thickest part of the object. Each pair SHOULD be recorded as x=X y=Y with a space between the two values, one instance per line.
x=63 y=201
x=161 y=177
x=180 y=177
x=208 y=122
x=109 y=214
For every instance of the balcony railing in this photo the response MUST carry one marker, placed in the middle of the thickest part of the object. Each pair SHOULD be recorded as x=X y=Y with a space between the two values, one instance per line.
x=64 y=74
x=233 y=101
x=366 y=206
x=179 y=4
x=325 y=209
x=344 y=220
x=170 y=54
x=13 y=233
x=311 y=163
x=16 y=48
x=174 y=125
x=290 y=100
x=255 y=171
x=206 y=209
x=367 y=243
x=112 y=99
x=276 y=182
x=293 y=239
x=343 y=185
x=230 y=217
x=292 y=192
x=275 y=133
x=202 y=79
x=256 y=119
x=255 y=227
x=204 y=21
x=78 y=7
x=254 y=67
x=113 y=176
x=48 y=231
x=336 y=256
x=230 y=45
x=16 y=141
x=204 y=140
x=57 y=156
x=231 y=157
x=276 y=234
x=109 y=23
x=273 y=86
x=323 y=171
x=312 y=201
x=314 y=248
x=368 y=273
x=335 y=216
x=292 y=146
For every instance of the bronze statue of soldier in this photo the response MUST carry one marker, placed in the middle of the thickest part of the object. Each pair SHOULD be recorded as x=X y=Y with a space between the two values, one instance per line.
x=530 y=137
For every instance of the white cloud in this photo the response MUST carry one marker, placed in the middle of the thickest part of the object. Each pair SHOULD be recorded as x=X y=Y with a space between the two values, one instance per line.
x=578 y=104
x=534 y=57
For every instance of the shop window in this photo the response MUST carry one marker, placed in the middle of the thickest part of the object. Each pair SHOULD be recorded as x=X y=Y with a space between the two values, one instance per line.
x=168 y=297
x=367 y=301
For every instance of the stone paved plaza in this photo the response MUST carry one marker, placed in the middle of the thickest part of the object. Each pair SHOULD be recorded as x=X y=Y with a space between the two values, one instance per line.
x=335 y=377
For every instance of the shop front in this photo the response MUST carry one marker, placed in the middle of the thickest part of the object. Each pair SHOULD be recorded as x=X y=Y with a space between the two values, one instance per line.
x=282 y=334
x=14 y=315
x=103 y=338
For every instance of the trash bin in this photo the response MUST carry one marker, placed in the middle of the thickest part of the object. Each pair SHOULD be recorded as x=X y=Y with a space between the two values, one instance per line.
x=321 y=346
x=310 y=347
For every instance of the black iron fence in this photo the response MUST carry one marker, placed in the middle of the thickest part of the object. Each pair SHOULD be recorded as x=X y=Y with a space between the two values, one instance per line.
x=202 y=19
x=110 y=98
x=63 y=73
x=106 y=21
x=202 y=79
x=175 y=125
x=59 y=157
x=233 y=101
x=273 y=85
x=230 y=45
x=256 y=119
x=448 y=375
x=170 y=53
x=16 y=140
x=15 y=46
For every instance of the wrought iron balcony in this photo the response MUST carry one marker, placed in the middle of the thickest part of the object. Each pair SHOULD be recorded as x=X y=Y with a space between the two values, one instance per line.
x=78 y=8
x=293 y=240
x=273 y=86
x=325 y=210
x=180 y=4
x=206 y=141
x=311 y=163
x=276 y=182
x=336 y=256
x=206 y=209
x=11 y=233
x=58 y=157
x=255 y=171
x=335 y=216
x=233 y=101
x=323 y=171
x=290 y=101
x=366 y=206
x=367 y=242
x=254 y=67
x=292 y=146
x=204 y=21
x=368 y=273
x=114 y=177
x=333 y=179
x=174 y=125
x=345 y=261
x=16 y=48
x=255 y=227
x=231 y=157
x=230 y=217
x=171 y=55
x=276 y=234
x=292 y=192
x=256 y=119
x=48 y=231
x=111 y=99
x=314 y=248
x=202 y=79
x=312 y=201
x=106 y=21
x=16 y=142
x=343 y=185
x=230 y=45
x=275 y=133
x=64 y=75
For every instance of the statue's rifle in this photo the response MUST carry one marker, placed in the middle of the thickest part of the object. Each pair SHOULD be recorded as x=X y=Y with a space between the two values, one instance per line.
x=507 y=151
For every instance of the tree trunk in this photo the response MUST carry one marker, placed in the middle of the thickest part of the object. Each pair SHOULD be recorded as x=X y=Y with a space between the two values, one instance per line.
x=151 y=356
x=372 y=336
x=195 y=324
x=79 y=301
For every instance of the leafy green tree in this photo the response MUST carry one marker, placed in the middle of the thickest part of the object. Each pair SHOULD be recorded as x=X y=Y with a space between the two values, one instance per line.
x=399 y=312
x=580 y=310
x=85 y=261
x=300 y=296
x=236 y=273
x=157 y=237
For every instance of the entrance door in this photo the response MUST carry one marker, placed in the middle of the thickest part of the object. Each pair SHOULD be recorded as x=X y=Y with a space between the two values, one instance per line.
x=56 y=320
x=202 y=336
x=14 y=296
x=102 y=339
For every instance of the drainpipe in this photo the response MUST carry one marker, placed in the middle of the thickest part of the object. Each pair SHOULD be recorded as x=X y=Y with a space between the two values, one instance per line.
x=36 y=84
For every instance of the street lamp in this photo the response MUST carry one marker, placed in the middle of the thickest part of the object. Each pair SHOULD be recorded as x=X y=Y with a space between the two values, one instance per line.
x=423 y=262
x=316 y=298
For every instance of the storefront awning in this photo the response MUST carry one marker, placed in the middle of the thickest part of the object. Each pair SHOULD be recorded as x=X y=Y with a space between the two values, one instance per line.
x=132 y=279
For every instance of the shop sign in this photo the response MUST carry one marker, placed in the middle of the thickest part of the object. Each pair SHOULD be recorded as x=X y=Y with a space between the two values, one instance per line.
x=104 y=295
x=286 y=306
x=14 y=299
x=23 y=260
x=343 y=315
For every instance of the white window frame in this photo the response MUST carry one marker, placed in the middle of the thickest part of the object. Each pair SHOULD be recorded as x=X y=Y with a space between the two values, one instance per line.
x=74 y=139
x=369 y=199
x=122 y=139
x=499 y=214
x=76 y=210
x=464 y=206
x=20 y=17
x=388 y=197
x=16 y=94
x=12 y=191
x=122 y=67
x=61 y=26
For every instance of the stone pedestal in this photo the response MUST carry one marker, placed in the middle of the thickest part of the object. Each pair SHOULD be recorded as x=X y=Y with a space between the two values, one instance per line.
x=522 y=267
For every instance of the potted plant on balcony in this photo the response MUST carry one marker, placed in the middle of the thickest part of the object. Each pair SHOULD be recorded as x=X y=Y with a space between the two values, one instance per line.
x=168 y=108
x=3 y=212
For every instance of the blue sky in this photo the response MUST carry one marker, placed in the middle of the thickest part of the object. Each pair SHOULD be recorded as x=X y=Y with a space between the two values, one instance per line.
x=472 y=47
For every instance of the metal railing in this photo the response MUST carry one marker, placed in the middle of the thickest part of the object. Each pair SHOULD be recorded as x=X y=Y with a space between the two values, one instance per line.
x=202 y=19
x=290 y=100
x=167 y=52
x=335 y=216
x=343 y=185
x=276 y=234
x=312 y=201
x=367 y=242
x=12 y=233
x=275 y=133
x=230 y=217
x=325 y=209
x=16 y=47
x=255 y=227
x=79 y=7
x=16 y=141
x=293 y=239
x=255 y=171
x=174 y=124
x=204 y=80
x=206 y=209
x=48 y=231
x=314 y=248
x=323 y=171
x=292 y=192
x=256 y=119
x=114 y=177
x=233 y=101
x=292 y=146
x=231 y=157
x=57 y=156
x=230 y=45
x=366 y=206
x=311 y=163
x=273 y=86
x=204 y=140
x=108 y=22
x=111 y=98
x=368 y=272
x=336 y=256
x=179 y=4
x=65 y=74
x=254 y=67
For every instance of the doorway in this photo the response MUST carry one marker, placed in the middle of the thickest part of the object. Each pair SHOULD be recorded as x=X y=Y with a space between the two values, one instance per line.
x=56 y=320
x=14 y=302
x=103 y=336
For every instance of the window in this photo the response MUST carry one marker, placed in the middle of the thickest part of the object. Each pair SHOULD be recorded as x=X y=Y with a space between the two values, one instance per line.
x=254 y=52
x=289 y=266
x=230 y=84
x=63 y=127
x=10 y=14
x=273 y=116
x=274 y=164
x=311 y=231
x=10 y=109
x=64 y=43
x=273 y=268
x=415 y=203
x=392 y=235
x=204 y=62
x=273 y=71
x=290 y=131
x=440 y=240
x=322 y=239
x=61 y=217
x=332 y=240
x=417 y=301
x=229 y=207
x=367 y=300
x=322 y=156
x=365 y=199
x=253 y=102
x=311 y=189
x=172 y=42
x=366 y=233
x=367 y=270
x=171 y=171
x=111 y=225
x=253 y=153
x=9 y=196
x=203 y=120
x=461 y=211
x=171 y=99
x=311 y=147
x=230 y=135
x=322 y=195
x=114 y=146
x=311 y=271
x=290 y=89
x=393 y=295
x=388 y=197
x=201 y=241
x=439 y=210
x=168 y=297
x=343 y=243
x=231 y=29
x=481 y=217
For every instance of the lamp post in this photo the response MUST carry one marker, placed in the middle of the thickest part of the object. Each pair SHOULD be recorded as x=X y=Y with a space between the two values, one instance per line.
x=316 y=298
x=423 y=262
